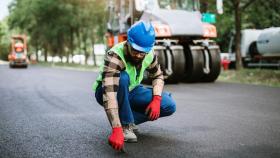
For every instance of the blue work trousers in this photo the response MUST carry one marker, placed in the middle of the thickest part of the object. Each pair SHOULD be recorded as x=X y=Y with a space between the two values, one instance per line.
x=132 y=104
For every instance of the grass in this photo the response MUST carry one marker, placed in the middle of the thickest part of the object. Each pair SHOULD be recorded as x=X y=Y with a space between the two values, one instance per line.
x=265 y=77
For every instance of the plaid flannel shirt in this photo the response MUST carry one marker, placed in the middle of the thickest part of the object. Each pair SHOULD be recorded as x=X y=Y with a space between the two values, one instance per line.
x=113 y=65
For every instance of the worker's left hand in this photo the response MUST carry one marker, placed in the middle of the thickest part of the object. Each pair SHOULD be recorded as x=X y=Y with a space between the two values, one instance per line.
x=153 y=109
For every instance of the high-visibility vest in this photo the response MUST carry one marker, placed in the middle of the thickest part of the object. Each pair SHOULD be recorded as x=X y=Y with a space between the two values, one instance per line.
x=135 y=79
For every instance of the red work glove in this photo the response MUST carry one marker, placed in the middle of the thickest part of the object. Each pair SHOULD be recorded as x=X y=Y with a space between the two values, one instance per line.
x=116 y=139
x=153 y=109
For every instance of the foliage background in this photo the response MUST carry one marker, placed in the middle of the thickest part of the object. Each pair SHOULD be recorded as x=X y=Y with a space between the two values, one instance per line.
x=67 y=27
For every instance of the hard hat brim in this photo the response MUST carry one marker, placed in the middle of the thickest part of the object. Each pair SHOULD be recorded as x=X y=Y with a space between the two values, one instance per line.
x=141 y=49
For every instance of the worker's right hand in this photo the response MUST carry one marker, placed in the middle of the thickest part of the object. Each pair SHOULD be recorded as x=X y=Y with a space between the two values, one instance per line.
x=116 y=139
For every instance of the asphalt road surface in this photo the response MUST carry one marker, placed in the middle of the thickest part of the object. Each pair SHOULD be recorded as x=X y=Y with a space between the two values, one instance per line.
x=51 y=112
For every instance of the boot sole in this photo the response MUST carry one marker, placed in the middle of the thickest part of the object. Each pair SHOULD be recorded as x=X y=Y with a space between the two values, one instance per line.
x=136 y=131
x=131 y=140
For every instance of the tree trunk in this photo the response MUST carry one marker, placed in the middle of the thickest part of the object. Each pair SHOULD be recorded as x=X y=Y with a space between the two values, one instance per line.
x=36 y=51
x=79 y=41
x=237 y=14
x=93 y=53
x=84 y=40
x=71 y=44
x=46 y=54
x=86 y=55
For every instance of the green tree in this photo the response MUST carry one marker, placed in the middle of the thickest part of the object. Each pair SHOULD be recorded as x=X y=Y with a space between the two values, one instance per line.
x=231 y=22
x=239 y=7
x=263 y=14
x=59 y=27
x=4 y=41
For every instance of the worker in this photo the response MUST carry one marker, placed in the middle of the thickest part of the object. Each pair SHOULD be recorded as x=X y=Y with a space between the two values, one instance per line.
x=118 y=87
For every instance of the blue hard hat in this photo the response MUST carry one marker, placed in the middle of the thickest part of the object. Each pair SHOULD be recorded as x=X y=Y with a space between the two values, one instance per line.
x=141 y=36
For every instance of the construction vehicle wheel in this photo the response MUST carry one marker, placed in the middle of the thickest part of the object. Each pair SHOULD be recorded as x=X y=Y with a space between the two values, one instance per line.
x=178 y=64
x=194 y=64
x=253 y=50
x=214 y=64
x=161 y=59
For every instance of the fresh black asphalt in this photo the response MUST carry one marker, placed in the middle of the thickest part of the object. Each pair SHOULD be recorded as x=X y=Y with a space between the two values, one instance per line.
x=51 y=112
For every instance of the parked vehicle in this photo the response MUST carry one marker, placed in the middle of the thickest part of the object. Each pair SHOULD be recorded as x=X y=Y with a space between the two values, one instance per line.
x=259 y=48
x=184 y=36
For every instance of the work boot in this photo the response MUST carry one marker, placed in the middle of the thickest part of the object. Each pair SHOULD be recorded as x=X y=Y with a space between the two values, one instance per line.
x=129 y=135
x=135 y=128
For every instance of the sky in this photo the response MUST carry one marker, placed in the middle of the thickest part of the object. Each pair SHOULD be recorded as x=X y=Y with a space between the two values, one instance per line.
x=4 y=8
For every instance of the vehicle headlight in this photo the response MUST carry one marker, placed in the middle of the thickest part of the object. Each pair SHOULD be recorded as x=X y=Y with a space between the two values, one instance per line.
x=162 y=30
x=209 y=30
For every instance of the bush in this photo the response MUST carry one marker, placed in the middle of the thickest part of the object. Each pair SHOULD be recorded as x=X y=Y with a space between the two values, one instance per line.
x=4 y=51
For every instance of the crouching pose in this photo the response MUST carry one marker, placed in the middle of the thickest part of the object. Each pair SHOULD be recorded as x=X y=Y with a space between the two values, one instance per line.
x=128 y=103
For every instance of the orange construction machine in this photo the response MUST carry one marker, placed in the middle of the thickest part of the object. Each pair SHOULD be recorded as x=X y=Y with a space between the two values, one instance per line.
x=184 y=35
x=18 y=52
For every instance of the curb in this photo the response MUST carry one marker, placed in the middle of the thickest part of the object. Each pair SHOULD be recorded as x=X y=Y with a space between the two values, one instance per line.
x=2 y=62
